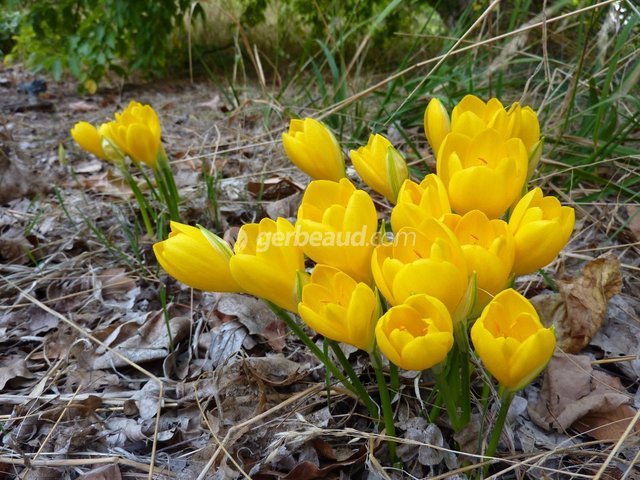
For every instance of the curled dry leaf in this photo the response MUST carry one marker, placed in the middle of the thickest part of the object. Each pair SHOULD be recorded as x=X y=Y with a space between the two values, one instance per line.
x=579 y=310
x=138 y=343
x=418 y=429
x=575 y=395
x=256 y=317
x=634 y=221
x=107 y=472
x=276 y=370
x=14 y=368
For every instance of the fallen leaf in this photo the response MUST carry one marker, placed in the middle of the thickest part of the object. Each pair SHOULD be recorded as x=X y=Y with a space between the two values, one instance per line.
x=107 y=472
x=580 y=308
x=275 y=370
x=620 y=335
x=573 y=391
x=286 y=207
x=14 y=247
x=308 y=470
x=138 y=343
x=634 y=221
x=118 y=287
x=81 y=106
x=254 y=314
x=274 y=188
x=15 y=368
x=418 y=429
x=609 y=425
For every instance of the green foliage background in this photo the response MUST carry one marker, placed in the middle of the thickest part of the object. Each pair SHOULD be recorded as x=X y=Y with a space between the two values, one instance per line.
x=88 y=38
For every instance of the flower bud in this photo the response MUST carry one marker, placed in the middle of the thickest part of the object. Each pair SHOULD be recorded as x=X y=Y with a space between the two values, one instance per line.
x=380 y=166
x=338 y=307
x=196 y=257
x=541 y=227
x=312 y=148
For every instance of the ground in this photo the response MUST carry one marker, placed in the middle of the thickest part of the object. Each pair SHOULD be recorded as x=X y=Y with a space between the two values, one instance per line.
x=94 y=386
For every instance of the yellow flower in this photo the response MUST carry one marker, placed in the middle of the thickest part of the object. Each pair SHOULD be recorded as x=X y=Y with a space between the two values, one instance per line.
x=472 y=115
x=482 y=172
x=337 y=226
x=312 y=148
x=436 y=124
x=417 y=334
x=511 y=341
x=136 y=132
x=428 y=260
x=338 y=307
x=541 y=227
x=416 y=203
x=380 y=166
x=488 y=248
x=87 y=136
x=196 y=257
x=267 y=262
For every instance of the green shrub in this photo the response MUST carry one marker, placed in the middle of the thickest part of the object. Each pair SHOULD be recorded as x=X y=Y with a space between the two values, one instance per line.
x=90 y=38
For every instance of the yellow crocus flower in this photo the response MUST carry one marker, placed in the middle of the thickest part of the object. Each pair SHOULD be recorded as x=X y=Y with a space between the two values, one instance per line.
x=541 y=227
x=312 y=148
x=87 y=136
x=196 y=257
x=416 y=203
x=428 y=261
x=511 y=341
x=338 y=307
x=489 y=250
x=380 y=166
x=267 y=262
x=482 y=172
x=337 y=226
x=416 y=334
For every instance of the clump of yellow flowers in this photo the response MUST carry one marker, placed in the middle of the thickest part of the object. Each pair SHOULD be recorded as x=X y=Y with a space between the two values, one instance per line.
x=423 y=286
x=136 y=133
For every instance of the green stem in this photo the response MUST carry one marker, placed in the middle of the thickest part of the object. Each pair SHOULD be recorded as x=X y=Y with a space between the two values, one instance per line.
x=506 y=398
x=465 y=389
x=436 y=408
x=385 y=400
x=299 y=332
x=395 y=378
x=484 y=402
x=445 y=389
x=170 y=190
x=142 y=202
x=355 y=381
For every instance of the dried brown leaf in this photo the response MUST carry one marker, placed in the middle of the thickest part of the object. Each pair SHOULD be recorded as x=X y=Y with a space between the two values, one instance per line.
x=256 y=316
x=276 y=370
x=609 y=425
x=13 y=367
x=116 y=283
x=308 y=470
x=14 y=247
x=138 y=343
x=634 y=221
x=285 y=207
x=579 y=310
x=573 y=390
x=81 y=106
x=274 y=188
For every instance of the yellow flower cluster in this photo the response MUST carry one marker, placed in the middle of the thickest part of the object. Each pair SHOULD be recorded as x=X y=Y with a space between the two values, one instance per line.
x=135 y=132
x=468 y=227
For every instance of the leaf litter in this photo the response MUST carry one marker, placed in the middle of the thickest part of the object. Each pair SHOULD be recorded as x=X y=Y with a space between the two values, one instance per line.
x=229 y=394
